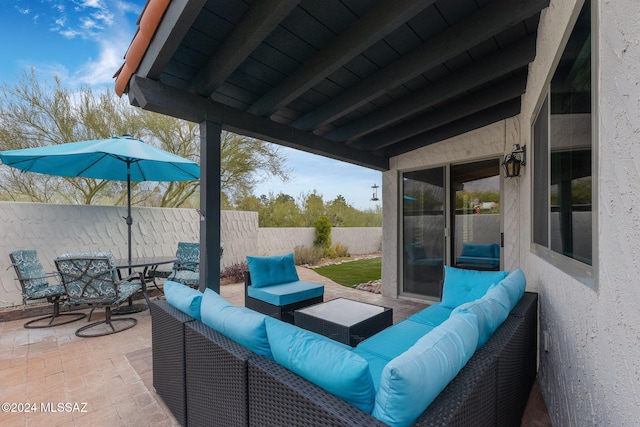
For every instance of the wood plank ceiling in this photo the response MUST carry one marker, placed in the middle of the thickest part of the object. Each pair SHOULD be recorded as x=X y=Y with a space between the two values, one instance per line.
x=356 y=80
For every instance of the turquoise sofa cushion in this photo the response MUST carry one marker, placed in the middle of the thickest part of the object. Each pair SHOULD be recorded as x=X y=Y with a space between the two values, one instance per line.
x=376 y=364
x=324 y=362
x=515 y=284
x=272 y=270
x=491 y=310
x=462 y=286
x=490 y=250
x=433 y=315
x=184 y=298
x=411 y=381
x=244 y=326
x=395 y=340
x=286 y=293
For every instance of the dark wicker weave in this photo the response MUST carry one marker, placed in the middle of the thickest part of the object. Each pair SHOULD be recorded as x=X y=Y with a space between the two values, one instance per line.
x=216 y=369
x=491 y=390
x=280 y=398
x=168 y=346
x=282 y=312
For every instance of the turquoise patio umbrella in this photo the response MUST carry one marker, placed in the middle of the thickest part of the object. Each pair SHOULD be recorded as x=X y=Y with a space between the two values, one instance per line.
x=117 y=159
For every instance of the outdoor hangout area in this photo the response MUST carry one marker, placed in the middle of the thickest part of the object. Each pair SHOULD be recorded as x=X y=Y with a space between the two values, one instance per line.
x=503 y=135
x=174 y=369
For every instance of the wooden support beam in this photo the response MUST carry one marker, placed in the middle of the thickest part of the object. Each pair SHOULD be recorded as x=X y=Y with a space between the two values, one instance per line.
x=489 y=21
x=498 y=64
x=210 y=134
x=466 y=124
x=154 y=96
x=369 y=29
x=475 y=102
x=257 y=23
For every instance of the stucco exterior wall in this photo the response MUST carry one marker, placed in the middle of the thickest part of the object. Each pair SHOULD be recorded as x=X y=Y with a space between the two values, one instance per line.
x=591 y=373
x=56 y=229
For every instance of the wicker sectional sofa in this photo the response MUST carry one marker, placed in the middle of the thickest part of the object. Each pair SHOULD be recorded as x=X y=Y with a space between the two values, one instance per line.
x=206 y=378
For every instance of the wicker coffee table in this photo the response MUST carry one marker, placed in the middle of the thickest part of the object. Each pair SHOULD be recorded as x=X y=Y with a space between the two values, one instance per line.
x=344 y=320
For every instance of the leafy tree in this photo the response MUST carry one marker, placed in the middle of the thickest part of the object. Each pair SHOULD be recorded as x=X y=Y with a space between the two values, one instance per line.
x=283 y=211
x=36 y=113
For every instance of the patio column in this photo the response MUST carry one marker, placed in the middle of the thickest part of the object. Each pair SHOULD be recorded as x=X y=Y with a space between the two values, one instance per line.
x=210 y=142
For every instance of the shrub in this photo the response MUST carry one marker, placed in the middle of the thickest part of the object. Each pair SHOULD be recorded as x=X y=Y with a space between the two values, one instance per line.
x=235 y=272
x=323 y=232
x=340 y=251
x=304 y=255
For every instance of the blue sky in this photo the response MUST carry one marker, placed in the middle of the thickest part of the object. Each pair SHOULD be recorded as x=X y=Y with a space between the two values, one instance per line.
x=84 y=41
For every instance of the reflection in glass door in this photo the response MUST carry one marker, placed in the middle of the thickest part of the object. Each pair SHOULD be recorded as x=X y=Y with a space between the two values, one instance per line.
x=475 y=221
x=423 y=219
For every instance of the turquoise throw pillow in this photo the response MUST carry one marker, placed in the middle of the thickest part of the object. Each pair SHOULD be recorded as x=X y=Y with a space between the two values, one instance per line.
x=184 y=298
x=515 y=284
x=462 y=286
x=491 y=310
x=272 y=270
x=411 y=381
x=324 y=362
x=244 y=326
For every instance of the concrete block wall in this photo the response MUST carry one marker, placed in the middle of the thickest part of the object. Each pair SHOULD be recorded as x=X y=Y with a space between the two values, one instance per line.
x=56 y=229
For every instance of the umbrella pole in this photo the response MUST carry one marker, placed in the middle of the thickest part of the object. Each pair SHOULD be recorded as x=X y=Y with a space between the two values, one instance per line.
x=129 y=219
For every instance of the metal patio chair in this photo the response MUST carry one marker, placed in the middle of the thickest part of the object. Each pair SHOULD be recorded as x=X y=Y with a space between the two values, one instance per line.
x=35 y=285
x=93 y=279
x=186 y=269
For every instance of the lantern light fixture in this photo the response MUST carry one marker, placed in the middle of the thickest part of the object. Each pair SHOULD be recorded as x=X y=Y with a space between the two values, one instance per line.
x=513 y=162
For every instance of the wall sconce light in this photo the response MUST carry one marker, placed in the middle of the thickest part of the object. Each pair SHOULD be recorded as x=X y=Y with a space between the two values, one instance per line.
x=374 y=198
x=513 y=161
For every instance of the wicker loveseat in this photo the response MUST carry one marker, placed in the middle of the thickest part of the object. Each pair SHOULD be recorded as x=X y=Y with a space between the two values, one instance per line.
x=208 y=379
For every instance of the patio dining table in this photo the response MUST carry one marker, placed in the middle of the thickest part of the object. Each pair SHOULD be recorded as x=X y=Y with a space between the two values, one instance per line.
x=148 y=265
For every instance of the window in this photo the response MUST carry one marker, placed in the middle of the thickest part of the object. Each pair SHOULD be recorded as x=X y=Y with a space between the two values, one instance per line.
x=562 y=137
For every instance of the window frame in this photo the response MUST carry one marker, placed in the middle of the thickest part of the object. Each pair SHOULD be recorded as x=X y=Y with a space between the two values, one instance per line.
x=584 y=273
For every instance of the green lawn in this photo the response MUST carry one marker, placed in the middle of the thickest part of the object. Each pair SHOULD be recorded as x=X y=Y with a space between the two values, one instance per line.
x=353 y=272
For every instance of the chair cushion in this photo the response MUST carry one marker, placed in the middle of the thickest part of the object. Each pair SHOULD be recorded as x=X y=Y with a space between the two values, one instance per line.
x=184 y=298
x=244 y=326
x=186 y=277
x=433 y=315
x=272 y=270
x=324 y=362
x=462 y=286
x=411 y=381
x=286 y=293
x=515 y=284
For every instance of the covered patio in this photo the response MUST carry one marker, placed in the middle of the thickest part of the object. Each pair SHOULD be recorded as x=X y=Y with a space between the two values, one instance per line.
x=437 y=84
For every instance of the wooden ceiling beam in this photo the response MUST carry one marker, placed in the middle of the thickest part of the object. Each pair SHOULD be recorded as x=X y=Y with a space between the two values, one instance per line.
x=257 y=23
x=372 y=27
x=488 y=22
x=467 y=124
x=154 y=96
x=510 y=59
x=473 y=103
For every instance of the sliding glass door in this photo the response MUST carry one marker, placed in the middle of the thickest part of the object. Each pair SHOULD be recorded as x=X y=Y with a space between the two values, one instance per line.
x=475 y=221
x=423 y=201
x=450 y=216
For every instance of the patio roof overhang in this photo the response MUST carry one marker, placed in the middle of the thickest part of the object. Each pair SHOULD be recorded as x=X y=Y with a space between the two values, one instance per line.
x=354 y=80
